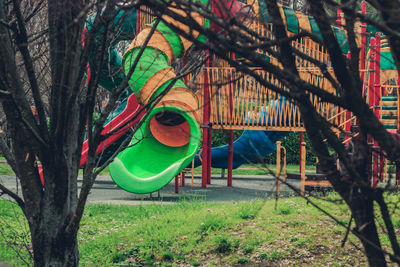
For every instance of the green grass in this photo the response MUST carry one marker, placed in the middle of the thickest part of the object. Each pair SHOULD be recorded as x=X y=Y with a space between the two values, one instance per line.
x=194 y=233
x=5 y=169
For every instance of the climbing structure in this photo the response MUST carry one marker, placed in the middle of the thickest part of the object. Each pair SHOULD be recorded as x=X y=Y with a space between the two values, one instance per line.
x=171 y=135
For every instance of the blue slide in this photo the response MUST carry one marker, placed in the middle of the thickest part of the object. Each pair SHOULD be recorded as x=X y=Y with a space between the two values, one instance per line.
x=251 y=146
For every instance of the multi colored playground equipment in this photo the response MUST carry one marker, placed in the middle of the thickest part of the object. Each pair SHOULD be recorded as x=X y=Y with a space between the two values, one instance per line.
x=172 y=133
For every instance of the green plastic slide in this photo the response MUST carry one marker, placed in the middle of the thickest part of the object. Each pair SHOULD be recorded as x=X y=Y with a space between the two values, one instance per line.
x=147 y=165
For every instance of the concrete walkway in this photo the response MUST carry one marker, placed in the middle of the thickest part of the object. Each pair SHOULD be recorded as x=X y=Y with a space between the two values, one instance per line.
x=245 y=188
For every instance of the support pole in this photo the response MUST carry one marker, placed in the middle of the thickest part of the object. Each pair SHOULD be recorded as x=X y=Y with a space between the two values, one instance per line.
x=300 y=157
x=209 y=155
x=347 y=121
x=398 y=128
x=278 y=168
x=397 y=173
x=206 y=122
x=230 y=134
x=209 y=129
x=339 y=18
x=177 y=184
x=138 y=20
x=363 y=42
x=193 y=171
x=377 y=160
x=182 y=178
x=303 y=168
x=370 y=95
x=230 y=157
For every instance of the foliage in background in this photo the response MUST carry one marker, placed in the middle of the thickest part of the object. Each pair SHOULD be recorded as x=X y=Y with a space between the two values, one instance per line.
x=292 y=145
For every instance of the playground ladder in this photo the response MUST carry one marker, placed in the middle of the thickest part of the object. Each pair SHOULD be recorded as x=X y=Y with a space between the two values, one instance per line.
x=389 y=113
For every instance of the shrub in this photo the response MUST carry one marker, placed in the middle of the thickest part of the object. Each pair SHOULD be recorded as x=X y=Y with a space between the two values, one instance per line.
x=220 y=137
x=284 y=210
x=249 y=211
x=243 y=260
x=168 y=256
x=292 y=145
x=222 y=243
x=248 y=249
x=212 y=223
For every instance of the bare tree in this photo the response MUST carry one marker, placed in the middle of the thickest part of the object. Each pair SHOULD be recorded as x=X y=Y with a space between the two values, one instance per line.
x=43 y=63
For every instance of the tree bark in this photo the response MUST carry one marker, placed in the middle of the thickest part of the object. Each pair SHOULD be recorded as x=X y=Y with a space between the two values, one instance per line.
x=363 y=213
x=51 y=247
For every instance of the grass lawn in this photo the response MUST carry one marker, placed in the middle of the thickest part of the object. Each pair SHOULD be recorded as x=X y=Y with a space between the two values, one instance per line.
x=200 y=233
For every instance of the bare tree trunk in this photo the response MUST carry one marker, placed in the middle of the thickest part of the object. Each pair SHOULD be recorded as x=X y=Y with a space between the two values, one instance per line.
x=363 y=214
x=52 y=247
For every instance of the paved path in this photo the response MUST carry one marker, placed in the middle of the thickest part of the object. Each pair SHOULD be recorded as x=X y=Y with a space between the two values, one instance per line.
x=244 y=188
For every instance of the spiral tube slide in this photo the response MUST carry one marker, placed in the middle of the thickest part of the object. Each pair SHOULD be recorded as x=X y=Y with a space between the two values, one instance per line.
x=170 y=136
x=148 y=164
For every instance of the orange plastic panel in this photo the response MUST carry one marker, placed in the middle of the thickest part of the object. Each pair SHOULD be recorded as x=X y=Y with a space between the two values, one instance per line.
x=173 y=136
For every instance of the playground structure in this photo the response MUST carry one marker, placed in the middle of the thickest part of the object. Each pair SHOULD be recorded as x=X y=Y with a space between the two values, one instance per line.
x=170 y=138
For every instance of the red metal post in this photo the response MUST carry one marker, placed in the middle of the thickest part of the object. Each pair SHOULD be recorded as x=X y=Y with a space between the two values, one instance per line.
x=206 y=121
x=398 y=104
x=377 y=81
x=374 y=92
x=138 y=20
x=371 y=80
x=206 y=167
x=339 y=17
x=347 y=127
x=209 y=129
x=377 y=159
x=363 y=41
x=177 y=184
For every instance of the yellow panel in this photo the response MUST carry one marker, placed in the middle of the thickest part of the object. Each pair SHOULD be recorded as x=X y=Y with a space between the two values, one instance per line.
x=152 y=84
x=196 y=16
x=304 y=22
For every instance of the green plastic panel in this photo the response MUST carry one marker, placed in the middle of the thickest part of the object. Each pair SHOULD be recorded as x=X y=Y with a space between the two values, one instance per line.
x=292 y=23
x=173 y=39
x=387 y=61
x=151 y=61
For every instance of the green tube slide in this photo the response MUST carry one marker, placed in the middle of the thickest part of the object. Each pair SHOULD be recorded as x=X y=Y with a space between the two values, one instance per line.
x=148 y=165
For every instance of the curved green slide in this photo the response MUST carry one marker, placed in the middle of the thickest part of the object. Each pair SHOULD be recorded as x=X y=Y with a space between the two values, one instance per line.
x=149 y=165
x=170 y=136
